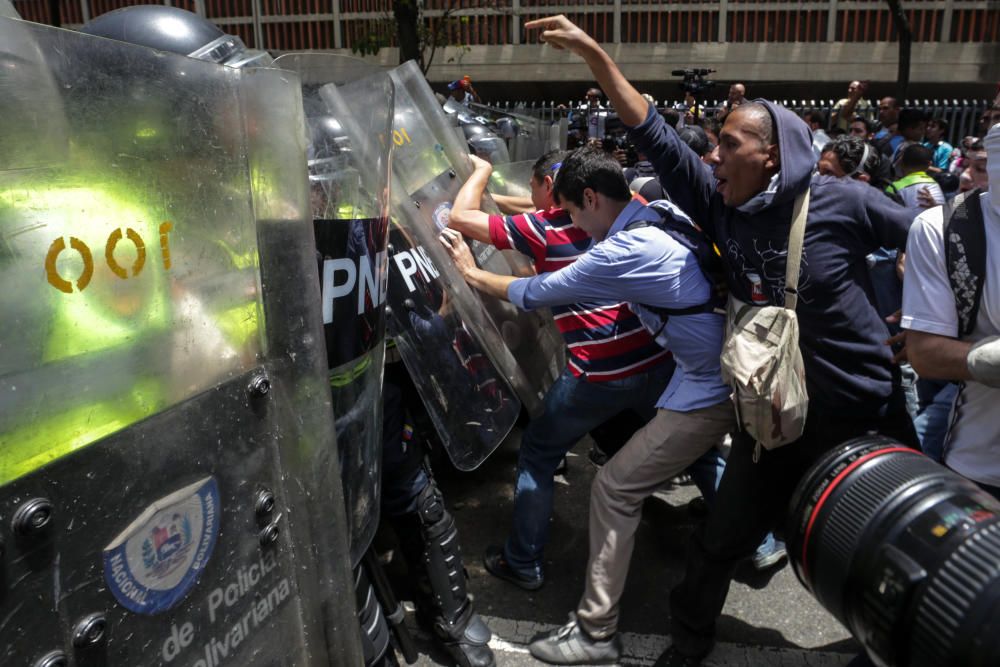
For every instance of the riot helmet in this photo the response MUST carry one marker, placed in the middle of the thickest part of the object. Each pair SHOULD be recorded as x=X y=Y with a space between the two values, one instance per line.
x=485 y=143
x=507 y=127
x=177 y=31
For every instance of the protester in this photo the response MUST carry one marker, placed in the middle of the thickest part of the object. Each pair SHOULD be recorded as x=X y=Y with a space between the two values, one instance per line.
x=953 y=320
x=697 y=140
x=736 y=97
x=613 y=363
x=860 y=127
x=911 y=126
x=935 y=396
x=853 y=157
x=937 y=128
x=763 y=163
x=847 y=108
x=886 y=139
x=596 y=114
x=461 y=91
x=914 y=161
x=816 y=122
x=635 y=260
x=989 y=118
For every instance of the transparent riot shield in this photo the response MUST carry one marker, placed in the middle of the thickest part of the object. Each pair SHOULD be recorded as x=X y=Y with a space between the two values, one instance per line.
x=348 y=157
x=169 y=486
x=511 y=179
x=431 y=164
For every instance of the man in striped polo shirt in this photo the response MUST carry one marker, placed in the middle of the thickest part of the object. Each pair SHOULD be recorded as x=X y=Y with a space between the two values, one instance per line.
x=613 y=363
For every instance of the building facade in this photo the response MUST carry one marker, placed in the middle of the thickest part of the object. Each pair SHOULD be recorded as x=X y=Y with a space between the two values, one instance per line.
x=955 y=42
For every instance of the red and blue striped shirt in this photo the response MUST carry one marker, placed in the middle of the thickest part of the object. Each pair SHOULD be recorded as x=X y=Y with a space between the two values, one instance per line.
x=605 y=342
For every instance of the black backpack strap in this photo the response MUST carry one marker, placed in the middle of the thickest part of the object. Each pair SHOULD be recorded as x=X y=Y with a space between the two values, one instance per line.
x=965 y=257
x=637 y=224
x=714 y=304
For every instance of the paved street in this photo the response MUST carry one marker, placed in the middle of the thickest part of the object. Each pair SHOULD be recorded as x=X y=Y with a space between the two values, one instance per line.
x=768 y=620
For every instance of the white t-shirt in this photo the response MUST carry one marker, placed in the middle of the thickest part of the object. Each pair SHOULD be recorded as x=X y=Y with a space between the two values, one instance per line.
x=911 y=194
x=973 y=444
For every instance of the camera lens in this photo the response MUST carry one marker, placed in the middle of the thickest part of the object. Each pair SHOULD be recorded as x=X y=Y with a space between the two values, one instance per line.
x=902 y=551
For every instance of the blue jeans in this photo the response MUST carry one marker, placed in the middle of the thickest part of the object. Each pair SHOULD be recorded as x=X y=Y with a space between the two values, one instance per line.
x=571 y=409
x=931 y=423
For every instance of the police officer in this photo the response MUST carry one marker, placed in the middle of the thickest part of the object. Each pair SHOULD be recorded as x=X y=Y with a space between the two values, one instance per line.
x=410 y=498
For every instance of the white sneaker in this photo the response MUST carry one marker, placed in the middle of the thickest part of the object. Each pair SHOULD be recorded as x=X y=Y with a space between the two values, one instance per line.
x=570 y=645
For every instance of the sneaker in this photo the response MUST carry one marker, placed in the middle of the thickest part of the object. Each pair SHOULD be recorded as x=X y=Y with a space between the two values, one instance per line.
x=570 y=645
x=674 y=658
x=764 y=560
x=497 y=566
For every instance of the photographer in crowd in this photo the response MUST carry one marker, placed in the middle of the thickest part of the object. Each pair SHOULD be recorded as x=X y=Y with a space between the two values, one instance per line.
x=763 y=164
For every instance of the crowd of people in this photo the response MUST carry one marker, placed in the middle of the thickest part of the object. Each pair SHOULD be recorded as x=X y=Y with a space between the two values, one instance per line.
x=646 y=270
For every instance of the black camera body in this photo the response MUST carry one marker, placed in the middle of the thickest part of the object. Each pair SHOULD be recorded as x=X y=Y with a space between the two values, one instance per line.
x=694 y=80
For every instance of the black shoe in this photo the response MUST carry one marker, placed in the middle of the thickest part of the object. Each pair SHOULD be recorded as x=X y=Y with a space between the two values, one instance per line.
x=496 y=565
x=597 y=456
x=674 y=658
x=698 y=508
x=472 y=648
x=562 y=467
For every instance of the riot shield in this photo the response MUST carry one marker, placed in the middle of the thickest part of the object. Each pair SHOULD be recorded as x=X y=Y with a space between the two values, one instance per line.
x=348 y=181
x=169 y=488
x=431 y=163
x=511 y=179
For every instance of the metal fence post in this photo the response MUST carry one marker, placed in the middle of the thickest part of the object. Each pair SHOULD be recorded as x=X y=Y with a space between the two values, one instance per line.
x=616 y=30
x=337 y=34
x=949 y=6
x=723 y=20
x=831 y=22
x=515 y=22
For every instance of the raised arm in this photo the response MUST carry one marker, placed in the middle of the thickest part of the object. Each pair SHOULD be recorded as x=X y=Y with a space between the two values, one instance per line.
x=511 y=205
x=685 y=177
x=561 y=33
x=465 y=216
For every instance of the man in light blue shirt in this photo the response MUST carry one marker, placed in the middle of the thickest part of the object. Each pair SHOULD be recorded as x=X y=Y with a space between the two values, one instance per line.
x=635 y=261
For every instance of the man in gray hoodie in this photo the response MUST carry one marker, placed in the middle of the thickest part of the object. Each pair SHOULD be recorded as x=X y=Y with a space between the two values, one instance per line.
x=763 y=162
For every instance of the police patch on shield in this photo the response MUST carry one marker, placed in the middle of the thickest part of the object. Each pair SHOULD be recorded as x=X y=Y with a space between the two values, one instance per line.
x=154 y=562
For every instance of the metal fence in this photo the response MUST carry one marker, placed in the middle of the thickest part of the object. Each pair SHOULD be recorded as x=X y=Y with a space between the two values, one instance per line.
x=962 y=116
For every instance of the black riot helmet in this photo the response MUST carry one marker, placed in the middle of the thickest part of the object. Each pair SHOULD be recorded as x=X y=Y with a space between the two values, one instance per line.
x=485 y=143
x=177 y=31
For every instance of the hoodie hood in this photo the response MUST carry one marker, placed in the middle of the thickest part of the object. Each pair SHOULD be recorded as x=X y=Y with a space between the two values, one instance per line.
x=797 y=158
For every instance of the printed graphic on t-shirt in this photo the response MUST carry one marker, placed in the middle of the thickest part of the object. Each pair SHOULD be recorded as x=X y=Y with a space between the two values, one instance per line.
x=769 y=278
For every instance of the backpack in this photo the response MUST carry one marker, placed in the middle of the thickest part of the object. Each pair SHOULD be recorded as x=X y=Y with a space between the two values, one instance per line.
x=691 y=236
x=965 y=256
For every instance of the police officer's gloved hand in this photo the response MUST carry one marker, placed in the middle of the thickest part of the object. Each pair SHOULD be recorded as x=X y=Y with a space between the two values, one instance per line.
x=984 y=361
